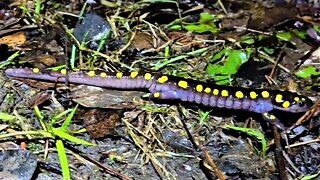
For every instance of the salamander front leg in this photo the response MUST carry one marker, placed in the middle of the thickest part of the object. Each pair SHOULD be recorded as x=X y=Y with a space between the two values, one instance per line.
x=273 y=120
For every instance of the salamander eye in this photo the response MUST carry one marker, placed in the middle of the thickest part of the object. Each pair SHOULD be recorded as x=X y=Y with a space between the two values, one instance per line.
x=301 y=103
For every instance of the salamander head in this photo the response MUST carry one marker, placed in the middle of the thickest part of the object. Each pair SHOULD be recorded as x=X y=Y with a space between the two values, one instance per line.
x=291 y=102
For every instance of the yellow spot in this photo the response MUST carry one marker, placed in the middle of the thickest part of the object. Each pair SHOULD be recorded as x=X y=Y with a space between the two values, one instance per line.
x=147 y=76
x=163 y=79
x=239 y=94
x=91 y=73
x=63 y=71
x=253 y=95
x=279 y=98
x=224 y=93
x=103 y=74
x=297 y=99
x=265 y=94
x=207 y=90
x=119 y=74
x=215 y=92
x=199 y=88
x=183 y=84
x=303 y=99
x=286 y=104
x=35 y=70
x=134 y=74
x=156 y=95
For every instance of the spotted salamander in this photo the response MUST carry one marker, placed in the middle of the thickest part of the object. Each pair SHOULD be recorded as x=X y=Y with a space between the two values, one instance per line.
x=166 y=87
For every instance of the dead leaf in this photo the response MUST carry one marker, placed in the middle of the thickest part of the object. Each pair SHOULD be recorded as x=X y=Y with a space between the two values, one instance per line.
x=14 y=39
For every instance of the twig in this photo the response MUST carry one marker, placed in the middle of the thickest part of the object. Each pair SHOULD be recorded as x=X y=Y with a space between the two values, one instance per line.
x=282 y=166
x=212 y=164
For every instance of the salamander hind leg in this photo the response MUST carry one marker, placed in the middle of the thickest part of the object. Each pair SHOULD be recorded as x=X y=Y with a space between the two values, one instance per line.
x=165 y=95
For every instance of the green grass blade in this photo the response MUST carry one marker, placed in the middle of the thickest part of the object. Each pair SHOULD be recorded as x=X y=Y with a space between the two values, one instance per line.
x=254 y=133
x=40 y=117
x=37 y=10
x=64 y=135
x=9 y=59
x=68 y=120
x=311 y=177
x=73 y=57
x=204 y=116
x=59 y=116
x=39 y=132
x=7 y=117
x=63 y=160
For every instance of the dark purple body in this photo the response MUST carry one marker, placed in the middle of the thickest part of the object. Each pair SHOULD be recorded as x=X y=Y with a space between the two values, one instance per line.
x=171 y=91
